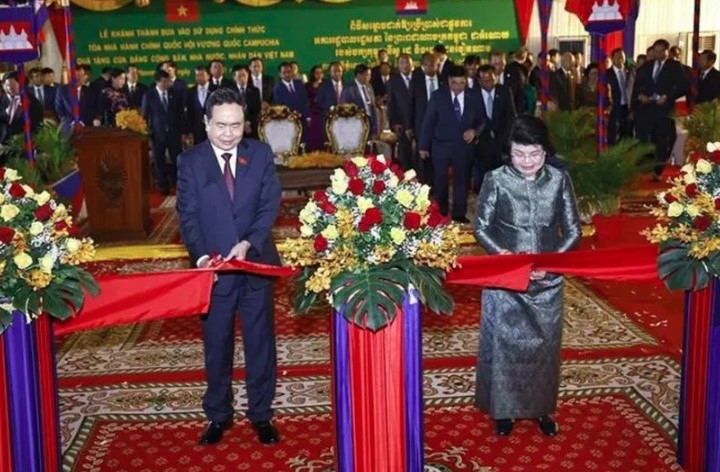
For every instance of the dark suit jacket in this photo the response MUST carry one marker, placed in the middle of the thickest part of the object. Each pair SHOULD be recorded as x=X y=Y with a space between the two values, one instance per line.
x=224 y=83
x=445 y=72
x=17 y=125
x=137 y=95
x=165 y=125
x=297 y=101
x=614 y=90
x=709 y=87
x=352 y=94
x=326 y=97
x=49 y=93
x=671 y=82
x=399 y=102
x=503 y=114
x=212 y=223
x=441 y=130
x=64 y=109
x=419 y=100
x=98 y=85
x=268 y=85
x=560 y=87
x=253 y=106
x=195 y=114
x=515 y=79
x=379 y=87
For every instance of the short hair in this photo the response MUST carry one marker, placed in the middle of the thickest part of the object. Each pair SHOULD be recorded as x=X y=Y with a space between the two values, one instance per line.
x=486 y=69
x=360 y=69
x=316 y=67
x=553 y=52
x=115 y=73
x=676 y=49
x=239 y=67
x=590 y=67
x=130 y=66
x=497 y=53
x=222 y=96
x=641 y=57
x=710 y=55
x=335 y=64
x=85 y=67
x=283 y=64
x=34 y=70
x=662 y=42
x=457 y=71
x=172 y=64
x=256 y=58
x=47 y=70
x=471 y=59
x=107 y=70
x=616 y=51
x=12 y=75
x=202 y=67
x=382 y=50
x=219 y=61
x=650 y=49
x=405 y=55
x=440 y=49
x=160 y=74
x=427 y=57
x=529 y=130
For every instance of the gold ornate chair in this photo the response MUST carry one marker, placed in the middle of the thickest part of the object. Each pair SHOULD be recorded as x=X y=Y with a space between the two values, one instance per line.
x=347 y=128
x=281 y=128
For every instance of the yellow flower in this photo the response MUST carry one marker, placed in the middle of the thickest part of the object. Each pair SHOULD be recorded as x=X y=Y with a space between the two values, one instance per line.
x=11 y=175
x=675 y=209
x=8 y=212
x=404 y=197
x=359 y=161
x=364 y=203
x=307 y=214
x=38 y=279
x=689 y=178
x=397 y=235
x=704 y=167
x=692 y=210
x=330 y=233
x=23 y=260
x=409 y=175
x=393 y=181
x=60 y=212
x=47 y=262
x=2 y=198
x=42 y=198
x=36 y=228
x=306 y=230
x=29 y=192
x=339 y=187
x=73 y=244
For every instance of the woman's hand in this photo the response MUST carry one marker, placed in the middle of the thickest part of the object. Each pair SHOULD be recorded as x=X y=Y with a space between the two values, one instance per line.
x=537 y=274
x=504 y=252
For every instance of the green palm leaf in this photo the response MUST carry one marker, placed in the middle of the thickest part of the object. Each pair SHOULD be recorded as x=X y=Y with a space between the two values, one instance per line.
x=678 y=270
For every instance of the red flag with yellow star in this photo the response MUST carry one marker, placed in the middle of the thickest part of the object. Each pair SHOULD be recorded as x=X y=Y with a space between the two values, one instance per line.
x=182 y=11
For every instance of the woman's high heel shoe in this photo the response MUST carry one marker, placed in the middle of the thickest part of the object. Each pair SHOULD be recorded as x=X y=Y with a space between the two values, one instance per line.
x=548 y=426
x=503 y=427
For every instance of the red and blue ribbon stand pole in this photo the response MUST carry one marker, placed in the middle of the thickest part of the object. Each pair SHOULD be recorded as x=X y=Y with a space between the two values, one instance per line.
x=377 y=393
x=544 y=9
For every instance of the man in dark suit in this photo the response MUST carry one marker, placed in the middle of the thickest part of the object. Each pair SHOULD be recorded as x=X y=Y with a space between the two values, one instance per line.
x=400 y=109
x=445 y=65
x=264 y=83
x=251 y=99
x=48 y=75
x=44 y=94
x=291 y=93
x=675 y=54
x=179 y=85
x=379 y=81
x=217 y=75
x=227 y=201
x=658 y=84
x=562 y=85
x=329 y=92
x=472 y=65
x=360 y=93
x=619 y=125
x=515 y=78
x=12 y=118
x=133 y=88
x=709 y=80
x=163 y=111
x=500 y=113
x=195 y=99
x=101 y=83
x=454 y=120
x=87 y=102
x=422 y=85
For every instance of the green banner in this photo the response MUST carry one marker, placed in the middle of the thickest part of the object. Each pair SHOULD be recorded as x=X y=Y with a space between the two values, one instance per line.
x=307 y=32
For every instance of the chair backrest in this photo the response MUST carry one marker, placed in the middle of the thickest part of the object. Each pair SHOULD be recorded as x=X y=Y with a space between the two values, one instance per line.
x=281 y=128
x=347 y=128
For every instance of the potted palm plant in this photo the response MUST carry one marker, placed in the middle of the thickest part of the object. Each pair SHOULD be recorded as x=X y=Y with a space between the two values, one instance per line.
x=703 y=126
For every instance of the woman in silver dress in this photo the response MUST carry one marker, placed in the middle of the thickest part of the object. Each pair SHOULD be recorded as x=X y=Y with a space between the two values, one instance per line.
x=525 y=206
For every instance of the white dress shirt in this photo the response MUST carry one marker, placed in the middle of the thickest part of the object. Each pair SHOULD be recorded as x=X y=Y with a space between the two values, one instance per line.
x=202 y=93
x=406 y=80
x=461 y=100
x=488 y=96
x=470 y=82
x=365 y=95
x=257 y=82
x=622 y=82
x=431 y=84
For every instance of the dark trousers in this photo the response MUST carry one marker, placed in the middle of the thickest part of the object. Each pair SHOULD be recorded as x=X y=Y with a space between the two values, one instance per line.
x=459 y=156
x=255 y=307
x=404 y=151
x=487 y=157
x=658 y=129
x=165 y=173
x=619 y=125
x=423 y=168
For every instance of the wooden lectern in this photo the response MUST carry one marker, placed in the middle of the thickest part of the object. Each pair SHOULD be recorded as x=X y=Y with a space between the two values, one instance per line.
x=115 y=170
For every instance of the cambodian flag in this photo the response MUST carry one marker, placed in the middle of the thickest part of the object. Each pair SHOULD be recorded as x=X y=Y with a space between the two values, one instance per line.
x=41 y=17
x=18 y=42
x=70 y=189
x=411 y=7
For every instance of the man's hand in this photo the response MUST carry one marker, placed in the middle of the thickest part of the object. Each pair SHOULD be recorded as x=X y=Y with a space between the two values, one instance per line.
x=504 y=252
x=239 y=251
x=397 y=128
x=662 y=99
x=424 y=154
x=643 y=98
x=537 y=274
x=409 y=133
x=469 y=136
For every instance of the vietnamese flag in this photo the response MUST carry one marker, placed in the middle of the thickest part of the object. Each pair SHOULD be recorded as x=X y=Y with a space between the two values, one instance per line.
x=411 y=7
x=182 y=11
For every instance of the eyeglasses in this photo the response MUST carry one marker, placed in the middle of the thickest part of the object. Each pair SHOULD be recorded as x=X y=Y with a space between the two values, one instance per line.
x=533 y=156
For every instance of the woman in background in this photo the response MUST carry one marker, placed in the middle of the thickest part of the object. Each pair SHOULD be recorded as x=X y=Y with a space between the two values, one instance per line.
x=316 y=134
x=525 y=206
x=587 y=94
x=113 y=99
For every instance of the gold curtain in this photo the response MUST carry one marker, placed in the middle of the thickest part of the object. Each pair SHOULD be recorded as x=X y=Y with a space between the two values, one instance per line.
x=102 y=5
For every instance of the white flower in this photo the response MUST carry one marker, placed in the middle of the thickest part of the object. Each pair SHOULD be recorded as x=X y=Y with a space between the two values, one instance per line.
x=36 y=228
x=713 y=147
x=11 y=175
x=42 y=198
x=364 y=203
x=409 y=175
x=47 y=262
x=73 y=244
x=29 y=192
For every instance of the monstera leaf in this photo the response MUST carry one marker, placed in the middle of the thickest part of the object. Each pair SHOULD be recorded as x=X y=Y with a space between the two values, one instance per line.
x=679 y=271
x=5 y=320
x=429 y=284
x=370 y=299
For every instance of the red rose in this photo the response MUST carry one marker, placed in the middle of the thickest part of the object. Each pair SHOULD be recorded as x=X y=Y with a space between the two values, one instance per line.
x=669 y=198
x=702 y=222
x=16 y=190
x=320 y=244
x=6 y=234
x=715 y=157
x=370 y=218
x=351 y=169
x=412 y=220
x=320 y=196
x=60 y=226
x=435 y=220
x=356 y=186
x=691 y=191
x=696 y=156
x=328 y=207
x=377 y=167
x=378 y=187
x=73 y=230
x=717 y=204
x=2 y=173
x=43 y=213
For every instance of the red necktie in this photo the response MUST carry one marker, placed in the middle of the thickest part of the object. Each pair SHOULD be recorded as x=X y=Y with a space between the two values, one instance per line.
x=228 y=176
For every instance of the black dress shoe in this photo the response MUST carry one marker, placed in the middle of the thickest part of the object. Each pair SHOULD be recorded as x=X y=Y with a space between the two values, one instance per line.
x=214 y=432
x=460 y=219
x=503 y=427
x=267 y=433
x=548 y=426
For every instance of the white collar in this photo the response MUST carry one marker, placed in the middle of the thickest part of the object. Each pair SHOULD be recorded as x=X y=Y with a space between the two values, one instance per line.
x=219 y=152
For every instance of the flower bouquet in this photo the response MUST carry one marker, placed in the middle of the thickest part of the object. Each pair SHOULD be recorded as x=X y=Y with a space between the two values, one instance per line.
x=131 y=120
x=688 y=228
x=39 y=254
x=370 y=238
